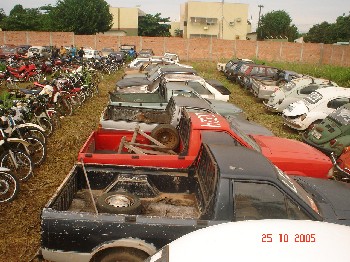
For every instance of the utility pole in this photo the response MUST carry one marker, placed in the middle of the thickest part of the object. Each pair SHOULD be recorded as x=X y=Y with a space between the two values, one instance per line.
x=222 y=19
x=260 y=6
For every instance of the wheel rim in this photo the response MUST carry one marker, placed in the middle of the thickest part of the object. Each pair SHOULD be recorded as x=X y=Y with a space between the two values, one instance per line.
x=4 y=187
x=166 y=138
x=8 y=187
x=119 y=201
x=23 y=167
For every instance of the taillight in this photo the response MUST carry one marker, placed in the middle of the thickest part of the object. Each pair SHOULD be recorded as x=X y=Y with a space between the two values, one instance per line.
x=346 y=149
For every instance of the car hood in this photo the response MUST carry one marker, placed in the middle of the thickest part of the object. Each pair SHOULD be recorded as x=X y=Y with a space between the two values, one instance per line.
x=293 y=149
x=135 y=81
x=296 y=109
x=277 y=96
x=294 y=157
x=324 y=132
x=331 y=197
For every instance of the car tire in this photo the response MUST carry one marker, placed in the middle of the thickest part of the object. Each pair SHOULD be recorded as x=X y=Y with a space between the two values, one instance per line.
x=118 y=203
x=167 y=135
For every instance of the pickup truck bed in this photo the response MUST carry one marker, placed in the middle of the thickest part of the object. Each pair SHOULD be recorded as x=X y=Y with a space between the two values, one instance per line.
x=169 y=205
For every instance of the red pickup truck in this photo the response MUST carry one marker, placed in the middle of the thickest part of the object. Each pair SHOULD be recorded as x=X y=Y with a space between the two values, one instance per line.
x=118 y=147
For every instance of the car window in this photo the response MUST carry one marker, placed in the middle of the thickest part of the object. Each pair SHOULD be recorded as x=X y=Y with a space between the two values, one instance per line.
x=250 y=141
x=255 y=200
x=306 y=90
x=342 y=116
x=338 y=102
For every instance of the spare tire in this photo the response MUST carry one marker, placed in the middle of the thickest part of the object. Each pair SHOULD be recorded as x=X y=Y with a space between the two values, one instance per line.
x=118 y=203
x=167 y=135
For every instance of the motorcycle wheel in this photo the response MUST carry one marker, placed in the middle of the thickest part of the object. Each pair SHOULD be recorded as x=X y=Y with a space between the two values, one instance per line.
x=9 y=187
x=64 y=107
x=20 y=165
x=33 y=132
x=36 y=149
x=45 y=123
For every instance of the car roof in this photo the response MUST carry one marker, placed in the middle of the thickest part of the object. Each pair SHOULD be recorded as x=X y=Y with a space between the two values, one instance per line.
x=236 y=162
x=333 y=91
x=182 y=77
x=194 y=102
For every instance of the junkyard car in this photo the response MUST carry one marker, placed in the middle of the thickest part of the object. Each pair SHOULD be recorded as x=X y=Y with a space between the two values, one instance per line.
x=106 y=51
x=263 y=88
x=149 y=83
x=311 y=110
x=333 y=133
x=234 y=66
x=259 y=72
x=295 y=90
x=342 y=165
x=145 y=53
x=207 y=89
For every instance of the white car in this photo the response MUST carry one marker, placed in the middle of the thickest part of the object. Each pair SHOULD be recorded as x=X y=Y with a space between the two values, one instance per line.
x=263 y=88
x=293 y=91
x=305 y=113
x=92 y=54
x=260 y=240
x=210 y=89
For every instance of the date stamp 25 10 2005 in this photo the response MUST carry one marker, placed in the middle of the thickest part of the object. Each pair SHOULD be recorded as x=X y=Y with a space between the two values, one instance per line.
x=285 y=238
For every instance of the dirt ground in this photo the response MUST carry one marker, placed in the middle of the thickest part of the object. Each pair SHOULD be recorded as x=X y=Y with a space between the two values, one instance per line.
x=20 y=220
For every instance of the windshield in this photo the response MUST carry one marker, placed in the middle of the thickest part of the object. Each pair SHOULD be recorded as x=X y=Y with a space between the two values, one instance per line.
x=246 y=138
x=341 y=115
x=294 y=186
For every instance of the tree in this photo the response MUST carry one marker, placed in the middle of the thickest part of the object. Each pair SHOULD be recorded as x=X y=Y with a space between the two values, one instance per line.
x=320 y=33
x=330 y=33
x=84 y=17
x=153 y=25
x=23 y=19
x=277 y=24
x=2 y=16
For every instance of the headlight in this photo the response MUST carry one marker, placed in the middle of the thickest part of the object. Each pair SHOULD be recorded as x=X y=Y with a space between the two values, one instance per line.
x=302 y=117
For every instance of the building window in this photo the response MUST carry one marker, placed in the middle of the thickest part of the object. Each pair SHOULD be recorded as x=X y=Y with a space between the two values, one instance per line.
x=202 y=36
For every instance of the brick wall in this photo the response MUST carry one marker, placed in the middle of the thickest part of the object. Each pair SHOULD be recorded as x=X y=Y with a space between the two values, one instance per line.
x=193 y=49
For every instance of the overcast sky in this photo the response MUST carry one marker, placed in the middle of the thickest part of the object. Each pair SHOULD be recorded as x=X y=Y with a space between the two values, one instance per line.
x=304 y=13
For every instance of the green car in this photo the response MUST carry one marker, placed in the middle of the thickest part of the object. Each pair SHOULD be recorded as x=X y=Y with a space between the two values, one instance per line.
x=333 y=133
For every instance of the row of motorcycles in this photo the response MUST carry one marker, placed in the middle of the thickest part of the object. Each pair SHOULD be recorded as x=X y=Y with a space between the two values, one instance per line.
x=28 y=116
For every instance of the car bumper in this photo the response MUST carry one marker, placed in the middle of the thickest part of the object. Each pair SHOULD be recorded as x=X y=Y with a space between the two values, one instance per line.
x=294 y=123
x=343 y=173
x=271 y=108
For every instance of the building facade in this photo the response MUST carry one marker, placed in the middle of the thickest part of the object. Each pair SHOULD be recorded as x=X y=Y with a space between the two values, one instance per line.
x=219 y=20
x=125 y=21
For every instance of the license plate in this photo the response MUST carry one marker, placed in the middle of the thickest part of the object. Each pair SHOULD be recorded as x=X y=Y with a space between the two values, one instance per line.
x=316 y=134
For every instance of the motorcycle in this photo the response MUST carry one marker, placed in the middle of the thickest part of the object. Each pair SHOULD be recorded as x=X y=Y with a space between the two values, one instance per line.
x=9 y=185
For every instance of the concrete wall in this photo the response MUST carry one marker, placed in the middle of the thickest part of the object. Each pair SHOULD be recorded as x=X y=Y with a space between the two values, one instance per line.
x=193 y=49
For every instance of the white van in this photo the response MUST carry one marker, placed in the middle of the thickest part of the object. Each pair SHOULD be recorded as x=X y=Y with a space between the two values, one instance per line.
x=41 y=51
x=91 y=53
